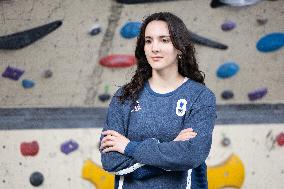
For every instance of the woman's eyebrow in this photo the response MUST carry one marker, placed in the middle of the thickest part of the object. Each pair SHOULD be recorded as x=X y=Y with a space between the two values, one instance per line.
x=161 y=36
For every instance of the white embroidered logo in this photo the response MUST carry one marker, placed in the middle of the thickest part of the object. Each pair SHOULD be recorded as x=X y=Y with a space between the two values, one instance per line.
x=136 y=107
x=181 y=107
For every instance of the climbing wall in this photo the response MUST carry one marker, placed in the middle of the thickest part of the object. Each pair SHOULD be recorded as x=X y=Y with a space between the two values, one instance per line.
x=67 y=68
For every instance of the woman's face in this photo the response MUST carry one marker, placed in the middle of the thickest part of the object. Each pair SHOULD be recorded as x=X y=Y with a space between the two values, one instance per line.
x=159 y=49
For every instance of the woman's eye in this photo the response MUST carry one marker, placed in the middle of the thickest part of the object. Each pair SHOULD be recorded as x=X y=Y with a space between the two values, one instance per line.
x=147 y=41
x=166 y=40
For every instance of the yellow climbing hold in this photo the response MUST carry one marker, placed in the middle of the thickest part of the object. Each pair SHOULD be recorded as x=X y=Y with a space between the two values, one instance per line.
x=230 y=173
x=95 y=174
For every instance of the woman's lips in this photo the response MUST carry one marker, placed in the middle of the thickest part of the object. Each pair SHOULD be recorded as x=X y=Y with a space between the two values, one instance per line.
x=156 y=58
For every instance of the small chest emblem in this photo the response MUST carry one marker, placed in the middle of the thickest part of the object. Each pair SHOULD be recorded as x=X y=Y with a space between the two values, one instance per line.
x=136 y=107
x=181 y=107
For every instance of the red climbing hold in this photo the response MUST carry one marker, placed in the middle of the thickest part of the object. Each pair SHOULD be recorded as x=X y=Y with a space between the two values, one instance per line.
x=280 y=139
x=118 y=61
x=29 y=148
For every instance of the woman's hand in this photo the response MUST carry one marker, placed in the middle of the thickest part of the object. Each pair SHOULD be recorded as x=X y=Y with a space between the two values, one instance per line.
x=113 y=141
x=185 y=134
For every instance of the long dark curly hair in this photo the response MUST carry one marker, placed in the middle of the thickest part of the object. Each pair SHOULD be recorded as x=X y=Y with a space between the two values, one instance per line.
x=181 y=39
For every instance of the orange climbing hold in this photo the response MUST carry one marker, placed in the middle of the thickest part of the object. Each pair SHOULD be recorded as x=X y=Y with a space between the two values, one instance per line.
x=230 y=173
x=95 y=174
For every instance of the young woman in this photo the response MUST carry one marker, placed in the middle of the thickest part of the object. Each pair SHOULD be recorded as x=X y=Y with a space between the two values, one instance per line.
x=158 y=130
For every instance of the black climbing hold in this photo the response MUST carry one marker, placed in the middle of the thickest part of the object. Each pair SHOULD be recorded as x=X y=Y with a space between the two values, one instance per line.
x=140 y=1
x=22 y=39
x=36 y=179
x=95 y=30
x=228 y=94
x=47 y=74
x=104 y=97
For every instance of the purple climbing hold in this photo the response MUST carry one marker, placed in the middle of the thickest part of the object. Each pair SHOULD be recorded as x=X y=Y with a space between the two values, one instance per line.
x=13 y=73
x=95 y=30
x=28 y=83
x=228 y=25
x=228 y=94
x=257 y=94
x=69 y=146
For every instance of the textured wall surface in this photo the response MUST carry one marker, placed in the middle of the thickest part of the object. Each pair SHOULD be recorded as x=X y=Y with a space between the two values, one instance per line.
x=73 y=55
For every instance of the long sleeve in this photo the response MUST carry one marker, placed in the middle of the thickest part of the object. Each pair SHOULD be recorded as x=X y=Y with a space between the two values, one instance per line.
x=181 y=155
x=116 y=162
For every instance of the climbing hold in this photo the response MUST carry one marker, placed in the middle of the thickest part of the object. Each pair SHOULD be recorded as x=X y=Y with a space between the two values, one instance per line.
x=69 y=146
x=270 y=42
x=280 y=139
x=95 y=30
x=130 y=30
x=226 y=141
x=216 y=4
x=47 y=74
x=104 y=97
x=228 y=94
x=261 y=21
x=257 y=94
x=29 y=148
x=206 y=42
x=36 y=179
x=118 y=61
x=230 y=173
x=235 y=3
x=13 y=73
x=95 y=174
x=227 y=70
x=28 y=83
x=228 y=25
x=22 y=39
x=140 y=1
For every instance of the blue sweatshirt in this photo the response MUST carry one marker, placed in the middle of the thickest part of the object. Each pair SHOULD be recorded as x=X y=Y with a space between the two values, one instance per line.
x=152 y=159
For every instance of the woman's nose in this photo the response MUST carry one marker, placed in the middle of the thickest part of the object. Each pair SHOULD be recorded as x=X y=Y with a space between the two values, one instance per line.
x=155 y=47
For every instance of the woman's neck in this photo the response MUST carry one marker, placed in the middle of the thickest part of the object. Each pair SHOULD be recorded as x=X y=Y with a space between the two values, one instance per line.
x=164 y=83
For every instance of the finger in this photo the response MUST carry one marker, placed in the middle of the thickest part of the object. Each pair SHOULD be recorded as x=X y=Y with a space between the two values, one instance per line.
x=186 y=130
x=107 y=144
x=110 y=149
x=107 y=138
x=110 y=132
x=189 y=133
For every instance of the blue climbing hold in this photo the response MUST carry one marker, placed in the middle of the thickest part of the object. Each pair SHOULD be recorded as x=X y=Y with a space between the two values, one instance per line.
x=270 y=42
x=227 y=70
x=130 y=30
x=28 y=83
